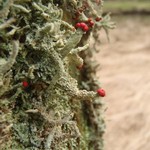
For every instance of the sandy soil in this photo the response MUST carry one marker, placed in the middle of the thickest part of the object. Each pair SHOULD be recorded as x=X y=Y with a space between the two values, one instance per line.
x=125 y=75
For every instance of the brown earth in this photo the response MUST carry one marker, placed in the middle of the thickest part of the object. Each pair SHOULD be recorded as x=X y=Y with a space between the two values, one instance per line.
x=125 y=75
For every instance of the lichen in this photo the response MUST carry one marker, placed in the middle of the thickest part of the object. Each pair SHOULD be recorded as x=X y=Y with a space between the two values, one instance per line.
x=40 y=46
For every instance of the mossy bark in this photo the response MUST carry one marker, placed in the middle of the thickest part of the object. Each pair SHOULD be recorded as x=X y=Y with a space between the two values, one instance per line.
x=42 y=100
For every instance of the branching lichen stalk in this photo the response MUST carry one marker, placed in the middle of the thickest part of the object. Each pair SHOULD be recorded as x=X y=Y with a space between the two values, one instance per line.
x=11 y=60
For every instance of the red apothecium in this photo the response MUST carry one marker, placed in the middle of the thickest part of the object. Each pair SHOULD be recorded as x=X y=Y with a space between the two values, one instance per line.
x=101 y=92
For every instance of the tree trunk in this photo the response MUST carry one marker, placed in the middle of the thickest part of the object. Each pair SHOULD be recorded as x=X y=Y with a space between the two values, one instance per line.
x=46 y=100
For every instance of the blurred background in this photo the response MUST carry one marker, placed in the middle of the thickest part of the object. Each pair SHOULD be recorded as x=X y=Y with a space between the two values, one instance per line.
x=125 y=75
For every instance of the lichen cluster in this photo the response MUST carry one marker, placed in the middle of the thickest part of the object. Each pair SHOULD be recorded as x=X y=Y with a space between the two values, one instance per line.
x=39 y=45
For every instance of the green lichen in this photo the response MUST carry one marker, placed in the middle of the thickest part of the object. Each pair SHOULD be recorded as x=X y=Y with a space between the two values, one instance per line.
x=40 y=46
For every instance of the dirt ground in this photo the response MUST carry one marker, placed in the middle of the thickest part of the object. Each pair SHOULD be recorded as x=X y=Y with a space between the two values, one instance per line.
x=125 y=75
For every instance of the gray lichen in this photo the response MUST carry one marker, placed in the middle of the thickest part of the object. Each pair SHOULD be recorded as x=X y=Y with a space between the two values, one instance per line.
x=40 y=98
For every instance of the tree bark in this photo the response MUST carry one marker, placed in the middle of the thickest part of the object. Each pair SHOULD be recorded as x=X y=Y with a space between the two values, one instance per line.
x=43 y=102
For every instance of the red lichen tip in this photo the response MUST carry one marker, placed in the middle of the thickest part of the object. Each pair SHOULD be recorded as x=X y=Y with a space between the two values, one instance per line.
x=101 y=92
x=85 y=28
x=91 y=23
x=78 y=25
x=25 y=84
x=98 y=19
x=82 y=25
